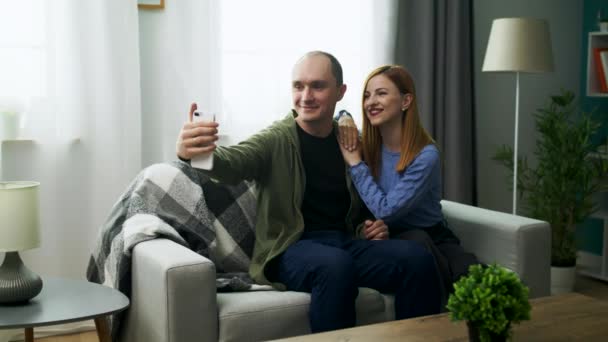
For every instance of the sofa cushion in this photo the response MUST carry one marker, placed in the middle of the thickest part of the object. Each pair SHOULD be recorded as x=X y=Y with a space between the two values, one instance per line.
x=264 y=315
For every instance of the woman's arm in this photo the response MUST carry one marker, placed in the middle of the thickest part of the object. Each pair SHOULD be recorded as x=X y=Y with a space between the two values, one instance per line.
x=413 y=183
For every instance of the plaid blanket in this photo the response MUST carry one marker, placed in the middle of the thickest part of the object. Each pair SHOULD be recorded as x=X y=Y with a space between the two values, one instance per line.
x=180 y=203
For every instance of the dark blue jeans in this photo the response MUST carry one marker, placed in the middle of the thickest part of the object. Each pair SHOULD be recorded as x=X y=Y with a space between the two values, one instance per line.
x=331 y=266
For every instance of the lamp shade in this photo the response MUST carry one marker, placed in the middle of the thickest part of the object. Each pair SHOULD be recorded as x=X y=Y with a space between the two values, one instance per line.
x=519 y=45
x=19 y=217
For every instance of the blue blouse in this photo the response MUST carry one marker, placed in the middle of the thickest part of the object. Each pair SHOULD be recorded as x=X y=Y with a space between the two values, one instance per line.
x=404 y=200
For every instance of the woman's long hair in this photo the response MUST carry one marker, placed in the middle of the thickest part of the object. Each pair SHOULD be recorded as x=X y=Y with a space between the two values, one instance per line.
x=413 y=136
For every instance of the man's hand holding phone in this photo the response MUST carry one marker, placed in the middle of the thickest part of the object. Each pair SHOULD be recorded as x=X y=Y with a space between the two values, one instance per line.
x=196 y=141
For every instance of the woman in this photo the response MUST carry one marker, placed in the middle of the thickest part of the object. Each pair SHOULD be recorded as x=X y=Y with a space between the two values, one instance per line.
x=400 y=180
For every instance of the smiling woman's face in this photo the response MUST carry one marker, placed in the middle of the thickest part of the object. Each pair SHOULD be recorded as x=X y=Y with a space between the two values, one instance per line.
x=382 y=101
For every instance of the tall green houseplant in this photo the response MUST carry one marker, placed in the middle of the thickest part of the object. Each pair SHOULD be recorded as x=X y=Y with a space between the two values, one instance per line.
x=560 y=188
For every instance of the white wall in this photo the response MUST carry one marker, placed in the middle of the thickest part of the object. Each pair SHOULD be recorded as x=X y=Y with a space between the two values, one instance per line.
x=495 y=92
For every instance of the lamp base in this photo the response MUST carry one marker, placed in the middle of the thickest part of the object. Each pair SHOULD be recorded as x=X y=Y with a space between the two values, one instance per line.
x=17 y=283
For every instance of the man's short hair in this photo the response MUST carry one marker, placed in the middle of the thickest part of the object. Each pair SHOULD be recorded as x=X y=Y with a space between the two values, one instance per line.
x=336 y=68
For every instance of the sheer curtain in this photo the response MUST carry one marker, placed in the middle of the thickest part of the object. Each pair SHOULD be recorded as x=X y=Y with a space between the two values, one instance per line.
x=178 y=47
x=84 y=126
x=75 y=65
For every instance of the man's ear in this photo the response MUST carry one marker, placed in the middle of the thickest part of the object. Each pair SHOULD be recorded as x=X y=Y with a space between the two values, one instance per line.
x=341 y=92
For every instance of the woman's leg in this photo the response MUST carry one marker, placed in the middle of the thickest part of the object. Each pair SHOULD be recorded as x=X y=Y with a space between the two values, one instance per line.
x=441 y=261
x=458 y=259
x=401 y=267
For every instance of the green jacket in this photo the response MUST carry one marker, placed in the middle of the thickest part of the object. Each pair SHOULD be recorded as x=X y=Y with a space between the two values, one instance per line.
x=272 y=159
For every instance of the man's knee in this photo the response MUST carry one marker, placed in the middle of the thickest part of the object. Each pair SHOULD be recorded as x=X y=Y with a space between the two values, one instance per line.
x=339 y=265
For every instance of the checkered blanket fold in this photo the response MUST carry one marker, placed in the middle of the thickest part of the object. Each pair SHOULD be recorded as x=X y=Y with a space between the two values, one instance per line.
x=180 y=203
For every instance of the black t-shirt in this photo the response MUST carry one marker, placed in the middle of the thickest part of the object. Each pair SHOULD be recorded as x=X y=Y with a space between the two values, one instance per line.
x=326 y=198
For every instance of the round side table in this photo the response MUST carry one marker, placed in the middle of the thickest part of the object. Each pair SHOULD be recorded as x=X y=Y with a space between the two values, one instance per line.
x=64 y=301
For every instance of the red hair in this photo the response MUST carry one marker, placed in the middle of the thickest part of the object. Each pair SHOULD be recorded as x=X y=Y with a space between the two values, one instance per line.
x=413 y=135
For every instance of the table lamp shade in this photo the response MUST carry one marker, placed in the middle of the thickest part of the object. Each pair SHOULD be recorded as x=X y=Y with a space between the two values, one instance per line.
x=519 y=44
x=19 y=217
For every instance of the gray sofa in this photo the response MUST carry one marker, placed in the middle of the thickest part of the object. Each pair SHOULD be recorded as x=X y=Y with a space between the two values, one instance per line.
x=174 y=297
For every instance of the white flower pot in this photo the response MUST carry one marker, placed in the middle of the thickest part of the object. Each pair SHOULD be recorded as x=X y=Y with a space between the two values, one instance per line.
x=562 y=279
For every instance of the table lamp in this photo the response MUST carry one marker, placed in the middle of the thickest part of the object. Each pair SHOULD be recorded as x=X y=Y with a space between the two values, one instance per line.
x=19 y=230
x=518 y=45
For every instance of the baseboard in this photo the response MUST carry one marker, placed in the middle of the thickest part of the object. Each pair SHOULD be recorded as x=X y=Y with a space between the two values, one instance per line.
x=591 y=265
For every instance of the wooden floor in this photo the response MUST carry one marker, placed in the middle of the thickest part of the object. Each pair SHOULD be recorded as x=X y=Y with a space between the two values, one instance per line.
x=587 y=286
x=89 y=336
x=592 y=287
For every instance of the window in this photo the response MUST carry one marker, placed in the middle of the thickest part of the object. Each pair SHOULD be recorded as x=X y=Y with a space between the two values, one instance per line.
x=23 y=49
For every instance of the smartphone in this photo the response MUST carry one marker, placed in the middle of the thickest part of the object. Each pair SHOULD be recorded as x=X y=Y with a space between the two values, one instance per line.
x=203 y=161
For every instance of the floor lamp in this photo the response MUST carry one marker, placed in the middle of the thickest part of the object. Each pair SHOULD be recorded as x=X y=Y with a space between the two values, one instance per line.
x=518 y=45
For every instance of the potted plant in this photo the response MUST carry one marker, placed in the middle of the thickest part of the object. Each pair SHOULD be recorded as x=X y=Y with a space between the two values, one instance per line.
x=560 y=189
x=490 y=298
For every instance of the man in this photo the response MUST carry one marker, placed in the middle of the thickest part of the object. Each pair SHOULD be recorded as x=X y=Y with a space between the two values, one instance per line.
x=306 y=233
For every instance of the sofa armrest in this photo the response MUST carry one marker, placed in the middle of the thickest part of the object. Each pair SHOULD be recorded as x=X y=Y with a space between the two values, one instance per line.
x=173 y=295
x=518 y=243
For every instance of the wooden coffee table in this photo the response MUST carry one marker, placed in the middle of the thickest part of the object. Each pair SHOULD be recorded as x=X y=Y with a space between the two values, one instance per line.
x=568 y=317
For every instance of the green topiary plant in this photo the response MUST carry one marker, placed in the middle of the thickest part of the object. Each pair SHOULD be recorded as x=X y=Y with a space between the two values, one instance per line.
x=560 y=188
x=490 y=299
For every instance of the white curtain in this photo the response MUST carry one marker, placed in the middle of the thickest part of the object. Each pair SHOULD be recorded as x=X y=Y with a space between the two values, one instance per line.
x=178 y=46
x=82 y=99
x=75 y=66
